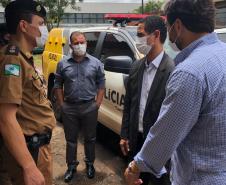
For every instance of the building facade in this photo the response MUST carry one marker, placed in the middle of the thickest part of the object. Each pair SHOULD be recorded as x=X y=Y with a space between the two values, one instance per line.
x=220 y=13
x=93 y=13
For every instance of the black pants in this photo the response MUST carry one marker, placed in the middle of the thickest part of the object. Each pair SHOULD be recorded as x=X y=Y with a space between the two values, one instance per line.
x=82 y=116
x=148 y=178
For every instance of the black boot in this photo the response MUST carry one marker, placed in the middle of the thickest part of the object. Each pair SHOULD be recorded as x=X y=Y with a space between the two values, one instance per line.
x=70 y=172
x=90 y=171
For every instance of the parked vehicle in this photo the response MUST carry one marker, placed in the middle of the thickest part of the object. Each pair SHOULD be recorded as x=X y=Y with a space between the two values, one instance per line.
x=116 y=48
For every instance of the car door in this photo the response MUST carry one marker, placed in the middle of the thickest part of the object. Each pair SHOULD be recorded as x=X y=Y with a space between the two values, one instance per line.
x=110 y=113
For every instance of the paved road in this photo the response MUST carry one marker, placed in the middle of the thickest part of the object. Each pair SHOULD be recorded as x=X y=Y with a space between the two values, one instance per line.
x=109 y=166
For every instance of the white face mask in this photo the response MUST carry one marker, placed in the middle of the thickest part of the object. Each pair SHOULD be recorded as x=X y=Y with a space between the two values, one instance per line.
x=40 y=41
x=79 y=49
x=174 y=46
x=142 y=45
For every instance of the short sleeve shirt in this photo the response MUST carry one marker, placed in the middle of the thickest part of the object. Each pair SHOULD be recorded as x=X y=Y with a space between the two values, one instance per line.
x=21 y=84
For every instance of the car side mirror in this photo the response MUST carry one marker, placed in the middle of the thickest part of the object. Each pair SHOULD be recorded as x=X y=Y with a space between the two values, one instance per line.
x=118 y=64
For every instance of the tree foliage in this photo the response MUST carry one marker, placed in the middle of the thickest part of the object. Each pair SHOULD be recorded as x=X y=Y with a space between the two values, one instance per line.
x=152 y=6
x=4 y=2
x=55 y=9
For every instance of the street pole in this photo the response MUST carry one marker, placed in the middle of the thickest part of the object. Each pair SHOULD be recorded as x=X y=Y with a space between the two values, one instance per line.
x=142 y=6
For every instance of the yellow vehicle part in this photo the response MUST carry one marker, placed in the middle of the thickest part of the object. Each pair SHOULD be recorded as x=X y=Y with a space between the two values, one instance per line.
x=53 y=52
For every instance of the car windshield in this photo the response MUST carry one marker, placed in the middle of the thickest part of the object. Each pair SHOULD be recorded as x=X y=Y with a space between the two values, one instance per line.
x=132 y=30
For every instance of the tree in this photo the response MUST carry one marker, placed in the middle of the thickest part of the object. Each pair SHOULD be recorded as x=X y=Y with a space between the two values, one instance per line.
x=4 y=2
x=55 y=9
x=152 y=6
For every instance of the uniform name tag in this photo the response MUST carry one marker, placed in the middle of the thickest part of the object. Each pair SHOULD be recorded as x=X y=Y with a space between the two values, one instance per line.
x=12 y=69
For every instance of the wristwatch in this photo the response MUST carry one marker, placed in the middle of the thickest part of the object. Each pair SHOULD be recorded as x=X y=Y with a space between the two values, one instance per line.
x=133 y=168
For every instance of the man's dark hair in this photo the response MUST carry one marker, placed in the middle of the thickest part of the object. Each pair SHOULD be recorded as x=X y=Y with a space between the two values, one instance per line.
x=152 y=23
x=196 y=15
x=76 y=33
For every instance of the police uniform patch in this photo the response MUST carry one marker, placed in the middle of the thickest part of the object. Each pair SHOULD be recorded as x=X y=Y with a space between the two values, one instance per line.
x=38 y=8
x=12 y=69
x=12 y=50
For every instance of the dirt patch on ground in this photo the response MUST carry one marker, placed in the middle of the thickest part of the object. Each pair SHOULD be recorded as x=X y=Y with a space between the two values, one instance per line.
x=109 y=167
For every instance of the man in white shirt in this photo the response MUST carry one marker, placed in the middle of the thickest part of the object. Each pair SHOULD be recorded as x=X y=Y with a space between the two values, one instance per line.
x=145 y=90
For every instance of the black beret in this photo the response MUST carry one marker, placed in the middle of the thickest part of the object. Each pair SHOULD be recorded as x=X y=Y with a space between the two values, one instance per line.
x=17 y=10
x=24 y=6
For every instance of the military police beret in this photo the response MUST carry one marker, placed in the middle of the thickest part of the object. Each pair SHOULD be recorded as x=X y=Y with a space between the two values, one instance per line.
x=24 y=6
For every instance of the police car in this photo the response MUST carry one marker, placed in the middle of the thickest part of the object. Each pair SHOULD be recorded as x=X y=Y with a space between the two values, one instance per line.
x=116 y=48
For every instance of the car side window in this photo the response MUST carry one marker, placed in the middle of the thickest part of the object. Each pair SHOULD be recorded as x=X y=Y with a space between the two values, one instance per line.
x=92 y=39
x=115 y=45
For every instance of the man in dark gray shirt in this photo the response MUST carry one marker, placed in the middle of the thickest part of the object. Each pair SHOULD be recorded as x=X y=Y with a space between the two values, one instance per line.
x=79 y=87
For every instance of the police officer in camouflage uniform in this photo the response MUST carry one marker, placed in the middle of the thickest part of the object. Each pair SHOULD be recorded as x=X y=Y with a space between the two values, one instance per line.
x=26 y=117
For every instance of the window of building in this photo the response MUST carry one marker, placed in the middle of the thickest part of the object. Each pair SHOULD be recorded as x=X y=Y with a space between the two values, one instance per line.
x=64 y=19
x=115 y=45
x=221 y=17
x=79 y=16
x=71 y=18
x=93 y=16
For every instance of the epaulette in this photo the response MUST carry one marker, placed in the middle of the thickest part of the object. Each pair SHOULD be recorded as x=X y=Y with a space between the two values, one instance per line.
x=12 y=50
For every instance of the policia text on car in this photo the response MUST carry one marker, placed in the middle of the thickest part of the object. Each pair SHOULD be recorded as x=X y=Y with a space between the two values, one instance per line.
x=25 y=112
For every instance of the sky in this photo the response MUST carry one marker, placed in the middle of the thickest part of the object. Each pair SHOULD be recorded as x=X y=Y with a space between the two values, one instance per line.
x=115 y=1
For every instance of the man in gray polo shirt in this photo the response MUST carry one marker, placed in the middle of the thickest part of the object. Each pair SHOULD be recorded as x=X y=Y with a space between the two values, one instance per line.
x=79 y=87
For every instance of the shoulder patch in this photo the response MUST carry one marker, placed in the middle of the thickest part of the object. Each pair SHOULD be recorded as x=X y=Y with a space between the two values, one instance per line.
x=12 y=50
x=12 y=69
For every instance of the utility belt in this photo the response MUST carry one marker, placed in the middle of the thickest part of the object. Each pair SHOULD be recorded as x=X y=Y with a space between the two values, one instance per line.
x=36 y=141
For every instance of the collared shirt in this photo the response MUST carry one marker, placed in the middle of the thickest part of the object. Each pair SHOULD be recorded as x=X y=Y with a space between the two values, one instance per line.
x=148 y=77
x=191 y=127
x=80 y=80
x=23 y=86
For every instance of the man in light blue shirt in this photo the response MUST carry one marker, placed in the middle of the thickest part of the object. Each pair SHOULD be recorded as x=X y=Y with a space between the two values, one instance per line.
x=79 y=87
x=191 y=127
